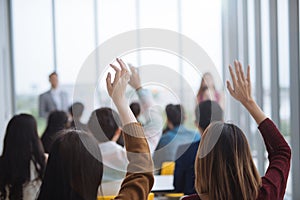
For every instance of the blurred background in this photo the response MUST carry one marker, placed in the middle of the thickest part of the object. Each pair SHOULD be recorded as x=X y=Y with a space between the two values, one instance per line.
x=39 y=37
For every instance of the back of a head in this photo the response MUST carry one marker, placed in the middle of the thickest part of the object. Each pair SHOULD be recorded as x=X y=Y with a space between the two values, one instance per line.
x=57 y=121
x=224 y=167
x=207 y=112
x=74 y=169
x=175 y=114
x=76 y=110
x=103 y=124
x=135 y=108
x=21 y=146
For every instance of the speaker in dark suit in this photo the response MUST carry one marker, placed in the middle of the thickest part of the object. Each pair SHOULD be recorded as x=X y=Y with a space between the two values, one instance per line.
x=54 y=99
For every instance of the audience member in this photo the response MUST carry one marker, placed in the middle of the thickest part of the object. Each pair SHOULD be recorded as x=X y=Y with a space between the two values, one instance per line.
x=224 y=166
x=176 y=136
x=105 y=125
x=151 y=115
x=74 y=168
x=136 y=109
x=22 y=163
x=76 y=111
x=207 y=90
x=53 y=99
x=184 y=174
x=57 y=121
x=72 y=173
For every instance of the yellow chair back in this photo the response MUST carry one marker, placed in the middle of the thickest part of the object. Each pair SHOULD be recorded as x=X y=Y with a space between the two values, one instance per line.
x=150 y=197
x=167 y=168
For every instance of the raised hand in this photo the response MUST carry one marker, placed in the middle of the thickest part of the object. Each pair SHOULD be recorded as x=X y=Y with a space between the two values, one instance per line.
x=116 y=89
x=135 y=80
x=241 y=91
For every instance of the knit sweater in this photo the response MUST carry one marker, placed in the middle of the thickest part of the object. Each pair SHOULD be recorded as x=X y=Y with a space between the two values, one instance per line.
x=274 y=182
x=139 y=178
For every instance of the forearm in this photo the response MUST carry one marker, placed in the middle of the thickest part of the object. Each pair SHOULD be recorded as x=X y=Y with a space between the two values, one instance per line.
x=125 y=112
x=139 y=178
x=255 y=111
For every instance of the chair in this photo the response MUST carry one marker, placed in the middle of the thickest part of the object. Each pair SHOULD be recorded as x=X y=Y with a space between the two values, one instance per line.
x=174 y=195
x=167 y=168
x=150 y=197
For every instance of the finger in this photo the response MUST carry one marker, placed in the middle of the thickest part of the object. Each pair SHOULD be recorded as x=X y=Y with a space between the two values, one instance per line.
x=237 y=70
x=242 y=72
x=115 y=68
x=229 y=87
x=232 y=76
x=122 y=64
x=248 y=73
x=108 y=82
x=117 y=75
x=133 y=70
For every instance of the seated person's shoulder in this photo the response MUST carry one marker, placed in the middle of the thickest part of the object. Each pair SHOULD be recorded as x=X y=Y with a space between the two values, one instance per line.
x=188 y=150
x=191 y=197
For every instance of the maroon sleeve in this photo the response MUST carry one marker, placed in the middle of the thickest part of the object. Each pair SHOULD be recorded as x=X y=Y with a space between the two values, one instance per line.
x=275 y=179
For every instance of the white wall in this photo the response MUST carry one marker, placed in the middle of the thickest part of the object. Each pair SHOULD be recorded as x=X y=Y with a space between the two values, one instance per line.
x=6 y=91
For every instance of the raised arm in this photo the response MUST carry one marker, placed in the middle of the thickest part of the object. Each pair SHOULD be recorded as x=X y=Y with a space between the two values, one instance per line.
x=139 y=178
x=116 y=91
x=153 y=123
x=275 y=179
x=241 y=91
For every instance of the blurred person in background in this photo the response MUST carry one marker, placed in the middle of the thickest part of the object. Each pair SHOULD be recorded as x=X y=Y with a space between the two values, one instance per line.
x=208 y=91
x=57 y=121
x=176 y=136
x=76 y=111
x=184 y=174
x=53 y=99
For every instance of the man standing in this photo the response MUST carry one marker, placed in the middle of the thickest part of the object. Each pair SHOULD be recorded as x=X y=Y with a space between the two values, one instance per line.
x=54 y=99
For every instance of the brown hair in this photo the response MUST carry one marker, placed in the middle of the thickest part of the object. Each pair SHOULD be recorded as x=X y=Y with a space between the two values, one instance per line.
x=224 y=166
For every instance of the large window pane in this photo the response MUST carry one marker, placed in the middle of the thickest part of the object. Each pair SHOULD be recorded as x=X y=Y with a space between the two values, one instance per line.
x=201 y=21
x=284 y=76
x=33 y=51
x=75 y=37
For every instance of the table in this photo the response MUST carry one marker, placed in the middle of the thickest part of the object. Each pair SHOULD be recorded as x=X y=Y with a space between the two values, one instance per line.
x=162 y=184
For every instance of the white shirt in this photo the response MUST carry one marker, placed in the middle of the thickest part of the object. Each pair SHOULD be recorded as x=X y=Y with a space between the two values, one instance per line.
x=31 y=188
x=152 y=115
x=56 y=95
x=114 y=161
x=114 y=155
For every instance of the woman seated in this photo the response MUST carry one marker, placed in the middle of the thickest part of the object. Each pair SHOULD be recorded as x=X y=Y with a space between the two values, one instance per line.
x=22 y=163
x=224 y=167
x=74 y=169
x=57 y=122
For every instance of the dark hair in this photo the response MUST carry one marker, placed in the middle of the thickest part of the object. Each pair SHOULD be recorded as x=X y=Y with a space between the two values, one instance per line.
x=175 y=114
x=21 y=146
x=224 y=152
x=207 y=112
x=103 y=124
x=135 y=108
x=76 y=109
x=53 y=73
x=74 y=169
x=57 y=121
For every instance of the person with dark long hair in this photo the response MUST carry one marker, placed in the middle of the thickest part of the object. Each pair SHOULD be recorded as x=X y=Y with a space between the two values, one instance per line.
x=224 y=167
x=23 y=161
x=57 y=121
x=74 y=169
